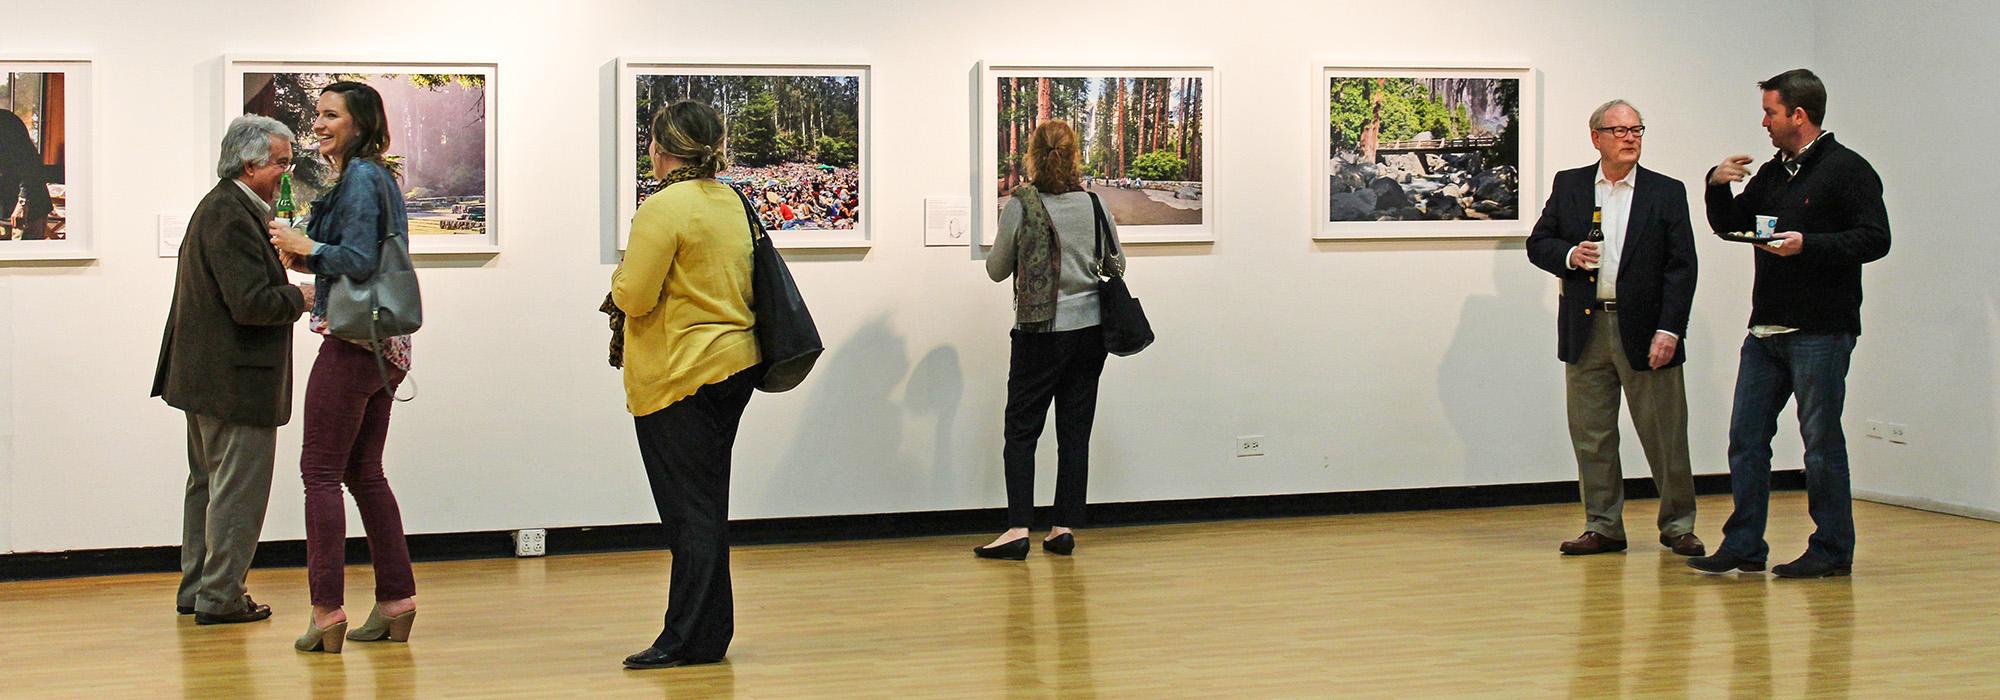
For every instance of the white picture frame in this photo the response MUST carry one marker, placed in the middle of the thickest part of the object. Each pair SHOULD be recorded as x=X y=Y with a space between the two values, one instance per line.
x=1502 y=221
x=429 y=216
x=856 y=234
x=73 y=200
x=1170 y=204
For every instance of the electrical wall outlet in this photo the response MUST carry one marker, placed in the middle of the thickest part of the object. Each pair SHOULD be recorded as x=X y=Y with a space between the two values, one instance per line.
x=1877 y=429
x=1249 y=445
x=531 y=543
x=1898 y=433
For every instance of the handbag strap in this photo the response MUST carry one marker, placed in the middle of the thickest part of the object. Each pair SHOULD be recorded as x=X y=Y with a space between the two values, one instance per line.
x=750 y=212
x=1104 y=234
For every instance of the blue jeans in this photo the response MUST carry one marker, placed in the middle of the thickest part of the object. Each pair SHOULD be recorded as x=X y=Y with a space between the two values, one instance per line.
x=1770 y=371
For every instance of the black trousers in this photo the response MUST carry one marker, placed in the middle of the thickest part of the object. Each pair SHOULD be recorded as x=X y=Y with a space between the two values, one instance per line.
x=686 y=449
x=1060 y=367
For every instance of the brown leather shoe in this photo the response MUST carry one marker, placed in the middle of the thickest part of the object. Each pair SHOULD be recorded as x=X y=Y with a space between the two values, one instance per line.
x=1685 y=545
x=252 y=611
x=1592 y=543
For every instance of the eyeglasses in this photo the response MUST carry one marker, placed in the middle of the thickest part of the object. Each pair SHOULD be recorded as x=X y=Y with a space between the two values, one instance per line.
x=1621 y=131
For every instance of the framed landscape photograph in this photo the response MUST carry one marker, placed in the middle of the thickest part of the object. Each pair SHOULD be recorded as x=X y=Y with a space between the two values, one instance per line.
x=441 y=132
x=45 y=155
x=1147 y=136
x=797 y=142
x=1424 y=152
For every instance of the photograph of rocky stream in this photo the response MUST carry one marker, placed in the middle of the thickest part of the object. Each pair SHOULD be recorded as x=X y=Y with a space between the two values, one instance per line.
x=1423 y=149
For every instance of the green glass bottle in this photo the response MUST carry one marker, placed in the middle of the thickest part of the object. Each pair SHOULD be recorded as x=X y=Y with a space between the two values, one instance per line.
x=286 y=208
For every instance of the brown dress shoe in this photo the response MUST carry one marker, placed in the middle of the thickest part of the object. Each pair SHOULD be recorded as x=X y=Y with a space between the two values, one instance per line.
x=1592 y=543
x=1685 y=545
x=252 y=611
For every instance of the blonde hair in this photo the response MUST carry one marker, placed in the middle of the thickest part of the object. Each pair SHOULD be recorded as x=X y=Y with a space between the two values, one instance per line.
x=1054 y=157
x=691 y=131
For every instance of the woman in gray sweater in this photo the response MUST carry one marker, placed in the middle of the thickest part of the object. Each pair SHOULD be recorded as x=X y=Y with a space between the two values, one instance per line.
x=1048 y=244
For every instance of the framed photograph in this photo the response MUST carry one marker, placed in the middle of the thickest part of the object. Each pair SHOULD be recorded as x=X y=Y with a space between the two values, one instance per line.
x=441 y=134
x=1146 y=135
x=797 y=142
x=1424 y=152
x=46 y=196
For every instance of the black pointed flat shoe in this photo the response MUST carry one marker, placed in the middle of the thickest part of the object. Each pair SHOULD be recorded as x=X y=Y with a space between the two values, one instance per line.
x=1061 y=544
x=1016 y=550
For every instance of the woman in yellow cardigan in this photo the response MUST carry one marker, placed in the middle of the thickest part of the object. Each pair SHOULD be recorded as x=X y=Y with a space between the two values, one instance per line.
x=684 y=286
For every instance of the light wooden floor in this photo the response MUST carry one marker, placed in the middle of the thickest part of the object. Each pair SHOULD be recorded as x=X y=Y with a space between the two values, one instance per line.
x=1472 y=603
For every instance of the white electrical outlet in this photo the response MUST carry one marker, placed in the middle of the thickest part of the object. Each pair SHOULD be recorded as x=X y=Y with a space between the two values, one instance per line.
x=1249 y=445
x=1898 y=433
x=531 y=543
x=1877 y=429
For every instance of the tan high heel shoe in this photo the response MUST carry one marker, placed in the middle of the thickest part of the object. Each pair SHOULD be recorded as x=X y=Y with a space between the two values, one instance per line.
x=380 y=627
x=327 y=640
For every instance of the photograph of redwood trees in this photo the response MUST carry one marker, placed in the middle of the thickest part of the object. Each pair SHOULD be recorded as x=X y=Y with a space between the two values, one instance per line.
x=437 y=140
x=1423 y=149
x=1142 y=140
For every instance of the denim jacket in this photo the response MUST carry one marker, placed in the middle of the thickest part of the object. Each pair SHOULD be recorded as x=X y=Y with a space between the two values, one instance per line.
x=348 y=224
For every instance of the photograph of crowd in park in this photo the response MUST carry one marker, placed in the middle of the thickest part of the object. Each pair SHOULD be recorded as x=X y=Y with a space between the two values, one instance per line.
x=794 y=142
x=437 y=129
x=1423 y=148
x=1142 y=140
x=33 y=191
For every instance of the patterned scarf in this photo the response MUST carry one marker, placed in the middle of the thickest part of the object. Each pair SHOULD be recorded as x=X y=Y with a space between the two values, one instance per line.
x=609 y=307
x=1037 y=264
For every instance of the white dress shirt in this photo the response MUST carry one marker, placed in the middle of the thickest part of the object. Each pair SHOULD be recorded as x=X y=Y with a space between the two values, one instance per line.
x=1615 y=199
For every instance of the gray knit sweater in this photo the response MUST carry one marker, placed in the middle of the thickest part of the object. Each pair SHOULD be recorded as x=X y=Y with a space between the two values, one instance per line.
x=1076 y=229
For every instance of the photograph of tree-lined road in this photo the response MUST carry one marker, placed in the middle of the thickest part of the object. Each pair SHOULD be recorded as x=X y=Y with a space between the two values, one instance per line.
x=1142 y=137
x=437 y=130
x=1423 y=148
x=794 y=142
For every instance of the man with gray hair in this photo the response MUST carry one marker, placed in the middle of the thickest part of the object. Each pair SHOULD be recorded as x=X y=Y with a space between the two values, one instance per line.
x=227 y=362
x=1618 y=237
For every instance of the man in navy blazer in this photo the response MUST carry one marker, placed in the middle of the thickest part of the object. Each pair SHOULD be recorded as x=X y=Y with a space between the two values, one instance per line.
x=1621 y=316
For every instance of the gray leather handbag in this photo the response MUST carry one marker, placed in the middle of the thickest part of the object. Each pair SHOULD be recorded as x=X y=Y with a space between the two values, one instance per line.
x=385 y=305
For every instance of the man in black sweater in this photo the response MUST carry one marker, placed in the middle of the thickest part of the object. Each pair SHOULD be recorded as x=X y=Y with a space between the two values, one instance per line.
x=1805 y=312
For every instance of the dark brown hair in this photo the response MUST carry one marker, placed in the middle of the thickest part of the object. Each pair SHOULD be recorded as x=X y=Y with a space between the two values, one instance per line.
x=1053 y=158
x=1798 y=88
x=371 y=124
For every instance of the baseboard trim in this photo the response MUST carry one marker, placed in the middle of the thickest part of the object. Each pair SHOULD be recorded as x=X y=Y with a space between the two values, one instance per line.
x=612 y=538
x=1933 y=506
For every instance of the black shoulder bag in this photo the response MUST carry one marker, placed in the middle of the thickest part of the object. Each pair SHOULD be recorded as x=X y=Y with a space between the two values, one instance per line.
x=1126 y=330
x=787 y=340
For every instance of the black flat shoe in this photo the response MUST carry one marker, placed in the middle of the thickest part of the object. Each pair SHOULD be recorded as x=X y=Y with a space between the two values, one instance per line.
x=1060 y=544
x=1721 y=563
x=1016 y=550
x=653 y=657
x=252 y=611
x=184 y=609
x=1810 y=567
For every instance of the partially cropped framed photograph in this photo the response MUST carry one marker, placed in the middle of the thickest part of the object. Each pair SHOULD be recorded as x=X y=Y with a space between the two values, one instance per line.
x=1424 y=151
x=442 y=137
x=46 y=140
x=1147 y=135
x=797 y=142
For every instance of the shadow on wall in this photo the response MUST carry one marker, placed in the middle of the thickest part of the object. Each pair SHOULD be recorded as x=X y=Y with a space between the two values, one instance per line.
x=853 y=422
x=933 y=395
x=1504 y=404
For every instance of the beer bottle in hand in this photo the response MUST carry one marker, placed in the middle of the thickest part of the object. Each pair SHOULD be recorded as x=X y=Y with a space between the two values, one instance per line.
x=287 y=209
x=1596 y=234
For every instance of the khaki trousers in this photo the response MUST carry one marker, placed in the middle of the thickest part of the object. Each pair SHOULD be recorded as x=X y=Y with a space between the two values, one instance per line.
x=1658 y=399
x=228 y=487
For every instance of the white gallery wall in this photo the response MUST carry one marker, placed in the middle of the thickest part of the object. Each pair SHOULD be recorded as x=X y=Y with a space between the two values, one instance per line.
x=1928 y=355
x=1366 y=365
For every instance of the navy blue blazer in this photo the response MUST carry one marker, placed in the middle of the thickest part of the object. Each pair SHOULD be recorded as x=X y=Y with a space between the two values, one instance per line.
x=1656 y=271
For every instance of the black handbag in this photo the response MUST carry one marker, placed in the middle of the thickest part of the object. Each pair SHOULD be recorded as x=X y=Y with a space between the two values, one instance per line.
x=1126 y=330
x=787 y=340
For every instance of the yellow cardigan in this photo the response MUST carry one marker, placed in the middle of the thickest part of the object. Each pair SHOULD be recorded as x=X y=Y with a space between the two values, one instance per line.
x=685 y=288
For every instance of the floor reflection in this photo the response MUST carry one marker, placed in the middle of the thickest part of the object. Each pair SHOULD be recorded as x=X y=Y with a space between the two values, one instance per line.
x=1597 y=667
x=1830 y=648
